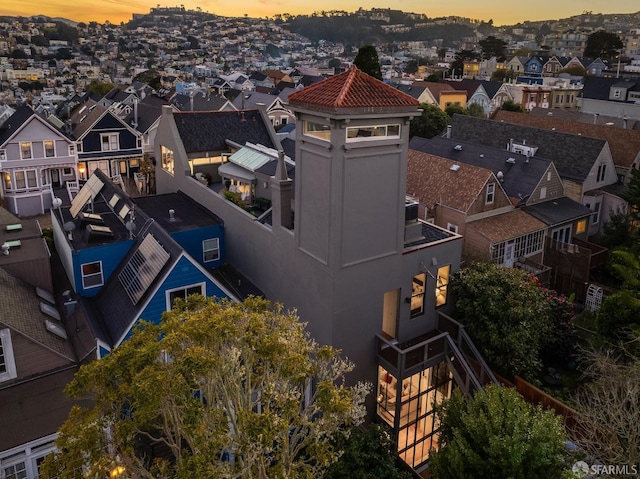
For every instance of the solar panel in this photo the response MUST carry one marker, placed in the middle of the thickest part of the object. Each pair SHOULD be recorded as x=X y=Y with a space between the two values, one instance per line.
x=89 y=191
x=123 y=212
x=114 y=199
x=142 y=268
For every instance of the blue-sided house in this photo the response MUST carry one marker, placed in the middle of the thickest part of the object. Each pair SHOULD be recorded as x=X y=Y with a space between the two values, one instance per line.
x=132 y=259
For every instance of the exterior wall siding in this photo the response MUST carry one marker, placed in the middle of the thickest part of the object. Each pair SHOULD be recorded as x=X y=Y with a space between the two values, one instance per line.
x=110 y=254
x=554 y=187
x=192 y=240
x=31 y=358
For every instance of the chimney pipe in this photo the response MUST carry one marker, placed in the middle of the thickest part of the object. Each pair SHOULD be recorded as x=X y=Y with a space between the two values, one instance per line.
x=448 y=131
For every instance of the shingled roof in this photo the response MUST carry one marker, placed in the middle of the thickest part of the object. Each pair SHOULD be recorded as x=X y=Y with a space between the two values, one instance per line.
x=624 y=144
x=433 y=181
x=573 y=155
x=352 y=89
x=209 y=131
x=519 y=179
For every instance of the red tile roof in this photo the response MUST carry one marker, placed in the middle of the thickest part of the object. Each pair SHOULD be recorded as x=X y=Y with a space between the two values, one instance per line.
x=351 y=89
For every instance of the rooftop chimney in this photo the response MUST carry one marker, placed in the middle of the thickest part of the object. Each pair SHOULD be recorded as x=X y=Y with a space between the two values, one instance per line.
x=448 y=131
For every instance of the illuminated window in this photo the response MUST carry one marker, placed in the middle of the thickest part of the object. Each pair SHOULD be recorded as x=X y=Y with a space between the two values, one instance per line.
x=49 y=148
x=167 y=160
x=7 y=181
x=317 y=130
x=25 y=150
x=92 y=275
x=417 y=294
x=442 y=285
x=581 y=227
x=378 y=132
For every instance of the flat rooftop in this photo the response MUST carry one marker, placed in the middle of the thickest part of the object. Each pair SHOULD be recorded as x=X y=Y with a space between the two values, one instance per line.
x=187 y=213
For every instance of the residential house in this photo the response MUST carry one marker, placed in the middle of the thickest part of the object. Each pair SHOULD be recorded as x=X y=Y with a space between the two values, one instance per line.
x=443 y=94
x=35 y=157
x=145 y=118
x=134 y=257
x=481 y=92
x=517 y=64
x=532 y=185
x=624 y=145
x=352 y=221
x=275 y=108
x=611 y=97
x=39 y=351
x=584 y=164
x=105 y=141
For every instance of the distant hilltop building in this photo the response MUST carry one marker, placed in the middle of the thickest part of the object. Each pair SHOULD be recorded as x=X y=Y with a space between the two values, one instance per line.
x=160 y=9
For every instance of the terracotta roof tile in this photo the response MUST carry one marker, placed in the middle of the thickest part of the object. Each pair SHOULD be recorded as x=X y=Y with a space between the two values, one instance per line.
x=351 y=89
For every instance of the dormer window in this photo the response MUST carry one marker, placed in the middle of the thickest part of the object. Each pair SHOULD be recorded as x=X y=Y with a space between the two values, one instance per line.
x=491 y=190
x=601 y=172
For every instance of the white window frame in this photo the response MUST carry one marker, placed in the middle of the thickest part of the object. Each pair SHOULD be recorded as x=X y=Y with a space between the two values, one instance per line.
x=602 y=169
x=379 y=132
x=91 y=275
x=44 y=147
x=167 y=159
x=9 y=360
x=595 y=219
x=206 y=250
x=543 y=192
x=491 y=194
x=112 y=141
x=202 y=286
x=453 y=228
x=23 y=145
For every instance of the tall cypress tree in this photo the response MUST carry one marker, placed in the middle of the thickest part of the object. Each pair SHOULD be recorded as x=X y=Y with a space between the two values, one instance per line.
x=367 y=61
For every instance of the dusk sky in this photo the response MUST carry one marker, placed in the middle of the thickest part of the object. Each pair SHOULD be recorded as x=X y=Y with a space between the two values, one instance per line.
x=501 y=11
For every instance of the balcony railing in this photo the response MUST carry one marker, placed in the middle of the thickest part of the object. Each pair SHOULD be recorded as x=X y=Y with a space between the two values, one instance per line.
x=449 y=343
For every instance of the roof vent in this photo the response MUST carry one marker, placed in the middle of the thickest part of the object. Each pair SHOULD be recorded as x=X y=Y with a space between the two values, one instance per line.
x=511 y=161
x=500 y=176
x=458 y=147
x=454 y=167
x=172 y=215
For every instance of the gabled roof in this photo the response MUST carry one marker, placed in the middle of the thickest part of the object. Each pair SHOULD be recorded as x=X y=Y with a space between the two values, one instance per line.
x=14 y=122
x=598 y=88
x=624 y=144
x=149 y=111
x=85 y=117
x=433 y=180
x=209 y=131
x=200 y=102
x=519 y=179
x=20 y=311
x=436 y=88
x=412 y=90
x=573 y=155
x=351 y=89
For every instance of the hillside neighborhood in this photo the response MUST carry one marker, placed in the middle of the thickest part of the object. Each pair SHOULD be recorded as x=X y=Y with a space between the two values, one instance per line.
x=185 y=153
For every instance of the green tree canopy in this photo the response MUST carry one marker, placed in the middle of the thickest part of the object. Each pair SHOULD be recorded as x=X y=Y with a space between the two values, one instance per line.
x=411 y=67
x=367 y=60
x=603 y=44
x=510 y=105
x=476 y=110
x=101 y=88
x=506 y=314
x=632 y=195
x=212 y=378
x=455 y=108
x=431 y=122
x=151 y=77
x=493 y=47
x=497 y=435
x=368 y=453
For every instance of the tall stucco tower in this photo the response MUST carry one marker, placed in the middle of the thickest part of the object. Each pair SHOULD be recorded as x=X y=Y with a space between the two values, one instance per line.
x=351 y=168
